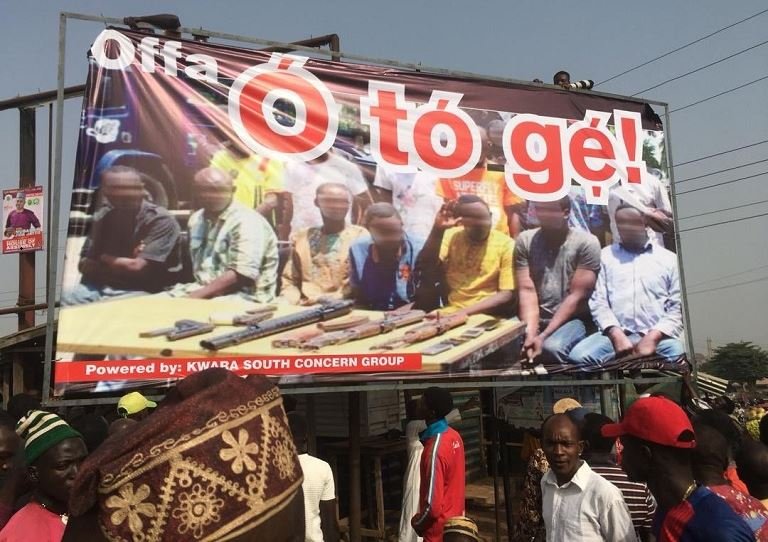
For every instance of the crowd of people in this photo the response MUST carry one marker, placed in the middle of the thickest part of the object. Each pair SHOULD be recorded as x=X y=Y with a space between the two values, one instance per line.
x=591 y=282
x=220 y=458
x=224 y=457
x=660 y=474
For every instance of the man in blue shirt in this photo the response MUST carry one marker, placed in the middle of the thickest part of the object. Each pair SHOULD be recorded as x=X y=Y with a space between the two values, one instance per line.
x=636 y=303
x=382 y=264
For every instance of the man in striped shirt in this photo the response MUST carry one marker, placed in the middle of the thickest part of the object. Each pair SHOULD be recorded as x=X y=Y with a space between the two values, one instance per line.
x=600 y=458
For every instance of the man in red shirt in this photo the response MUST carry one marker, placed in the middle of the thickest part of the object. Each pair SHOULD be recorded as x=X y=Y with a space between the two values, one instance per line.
x=658 y=441
x=441 y=492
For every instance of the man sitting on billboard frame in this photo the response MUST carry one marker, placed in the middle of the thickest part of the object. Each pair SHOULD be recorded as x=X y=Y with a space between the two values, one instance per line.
x=636 y=303
x=233 y=248
x=556 y=270
x=132 y=247
x=469 y=258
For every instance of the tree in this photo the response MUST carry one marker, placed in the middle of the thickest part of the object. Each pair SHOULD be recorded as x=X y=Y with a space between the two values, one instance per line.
x=649 y=155
x=739 y=362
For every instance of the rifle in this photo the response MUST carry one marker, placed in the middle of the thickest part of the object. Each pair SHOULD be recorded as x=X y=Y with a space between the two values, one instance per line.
x=424 y=332
x=300 y=336
x=273 y=326
x=251 y=316
x=468 y=334
x=180 y=330
x=389 y=323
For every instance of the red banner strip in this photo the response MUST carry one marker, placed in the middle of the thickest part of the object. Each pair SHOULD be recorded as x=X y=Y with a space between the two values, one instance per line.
x=161 y=369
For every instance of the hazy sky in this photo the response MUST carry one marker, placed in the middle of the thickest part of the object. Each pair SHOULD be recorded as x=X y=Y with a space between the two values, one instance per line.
x=523 y=40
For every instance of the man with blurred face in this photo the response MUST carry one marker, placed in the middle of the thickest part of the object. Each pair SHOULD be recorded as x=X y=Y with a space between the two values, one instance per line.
x=556 y=269
x=651 y=198
x=382 y=265
x=302 y=179
x=577 y=503
x=319 y=265
x=636 y=303
x=133 y=245
x=489 y=186
x=475 y=260
x=233 y=248
x=53 y=452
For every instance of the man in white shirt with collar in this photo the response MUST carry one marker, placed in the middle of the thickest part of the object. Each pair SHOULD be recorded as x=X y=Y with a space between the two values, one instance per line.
x=578 y=505
x=636 y=303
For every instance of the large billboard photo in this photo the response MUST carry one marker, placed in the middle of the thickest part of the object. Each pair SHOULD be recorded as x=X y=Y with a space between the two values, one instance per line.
x=323 y=221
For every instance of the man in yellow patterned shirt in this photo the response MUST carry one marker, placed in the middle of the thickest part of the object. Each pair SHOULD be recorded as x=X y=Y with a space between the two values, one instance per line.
x=475 y=260
x=319 y=264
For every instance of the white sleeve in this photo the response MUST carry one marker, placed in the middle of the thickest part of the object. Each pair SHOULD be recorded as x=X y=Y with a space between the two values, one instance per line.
x=662 y=198
x=382 y=179
x=454 y=416
x=355 y=180
x=329 y=488
x=616 y=522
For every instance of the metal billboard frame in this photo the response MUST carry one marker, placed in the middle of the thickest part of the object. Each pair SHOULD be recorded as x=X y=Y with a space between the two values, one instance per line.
x=54 y=216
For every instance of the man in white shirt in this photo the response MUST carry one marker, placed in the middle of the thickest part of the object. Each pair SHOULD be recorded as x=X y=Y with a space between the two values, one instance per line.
x=651 y=198
x=578 y=505
x=413 y=193
x=319 y=490
x=303 y=178
x=636 y=303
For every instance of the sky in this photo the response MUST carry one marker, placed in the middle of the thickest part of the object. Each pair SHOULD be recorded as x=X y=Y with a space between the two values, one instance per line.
x=725 y=265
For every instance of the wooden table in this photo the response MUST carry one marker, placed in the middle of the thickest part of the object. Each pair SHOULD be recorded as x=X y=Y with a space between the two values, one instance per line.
x=112 y=328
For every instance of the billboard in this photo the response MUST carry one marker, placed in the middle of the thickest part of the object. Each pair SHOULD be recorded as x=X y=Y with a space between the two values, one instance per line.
x=23 y=219
x=325 y=221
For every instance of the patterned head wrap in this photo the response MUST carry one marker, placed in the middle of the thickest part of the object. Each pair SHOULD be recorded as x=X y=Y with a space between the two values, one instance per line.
x=215 y=460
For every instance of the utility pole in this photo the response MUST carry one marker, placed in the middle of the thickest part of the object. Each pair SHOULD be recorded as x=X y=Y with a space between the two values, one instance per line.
x=27 y=177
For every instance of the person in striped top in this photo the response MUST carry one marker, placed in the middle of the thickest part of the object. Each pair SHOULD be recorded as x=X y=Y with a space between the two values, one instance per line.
x=599 y=455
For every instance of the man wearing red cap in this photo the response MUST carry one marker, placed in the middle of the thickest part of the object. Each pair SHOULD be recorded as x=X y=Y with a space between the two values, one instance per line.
x=658 y=441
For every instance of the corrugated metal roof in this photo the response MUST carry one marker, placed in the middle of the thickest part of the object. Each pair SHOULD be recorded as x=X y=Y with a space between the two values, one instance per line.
x=712 y=384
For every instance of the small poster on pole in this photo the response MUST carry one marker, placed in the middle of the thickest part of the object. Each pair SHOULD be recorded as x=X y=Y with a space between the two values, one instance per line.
x=23 y=219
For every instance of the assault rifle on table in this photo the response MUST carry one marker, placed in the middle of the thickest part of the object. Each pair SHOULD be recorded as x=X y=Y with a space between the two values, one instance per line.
x=252 y=332
x=190 y=328
x=424 y=332
x=389 y=323
x=300 y=336
x=180 y=330
x=251 y=316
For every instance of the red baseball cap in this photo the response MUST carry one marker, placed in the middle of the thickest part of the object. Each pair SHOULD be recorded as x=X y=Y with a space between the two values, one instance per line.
x=655 y=419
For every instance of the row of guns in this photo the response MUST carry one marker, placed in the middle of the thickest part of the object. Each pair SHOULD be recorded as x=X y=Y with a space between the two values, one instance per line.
x=330 y=329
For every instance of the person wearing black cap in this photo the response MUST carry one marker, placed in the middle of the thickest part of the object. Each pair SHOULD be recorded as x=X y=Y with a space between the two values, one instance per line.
x=599 y=455
x=658 y=440
x=441 y=491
